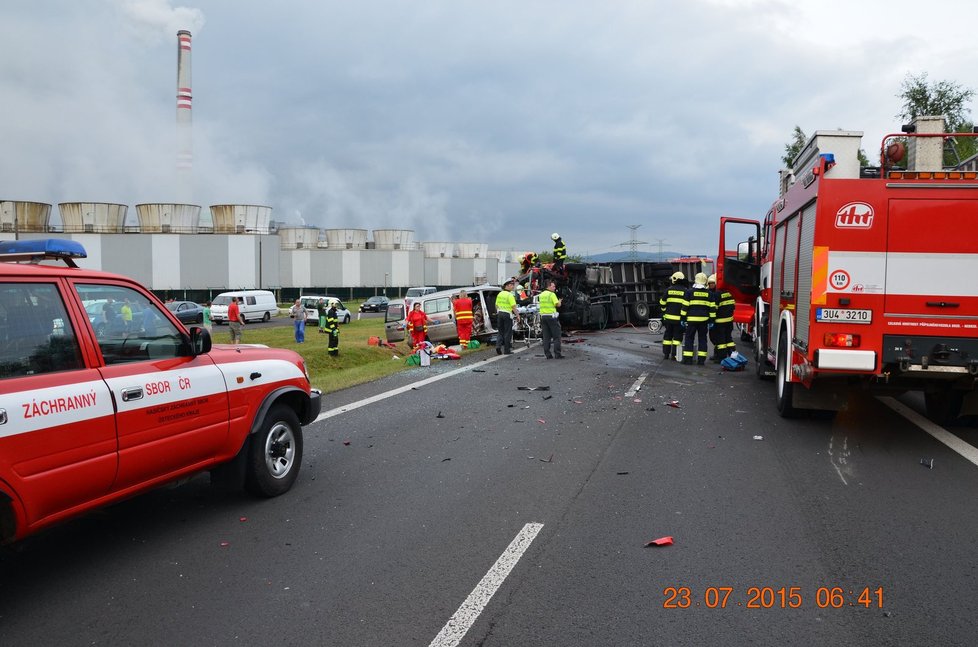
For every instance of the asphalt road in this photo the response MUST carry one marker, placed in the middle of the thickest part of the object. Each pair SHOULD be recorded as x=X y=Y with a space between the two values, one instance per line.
x=405 y=504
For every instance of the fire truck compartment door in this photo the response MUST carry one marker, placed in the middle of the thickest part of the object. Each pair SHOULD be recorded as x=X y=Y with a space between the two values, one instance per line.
x=932 y=259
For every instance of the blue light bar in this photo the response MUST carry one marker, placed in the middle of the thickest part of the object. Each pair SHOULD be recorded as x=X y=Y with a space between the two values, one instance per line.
x=45 y=247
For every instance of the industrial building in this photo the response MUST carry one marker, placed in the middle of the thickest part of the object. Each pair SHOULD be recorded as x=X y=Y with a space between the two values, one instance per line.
x=175 y=252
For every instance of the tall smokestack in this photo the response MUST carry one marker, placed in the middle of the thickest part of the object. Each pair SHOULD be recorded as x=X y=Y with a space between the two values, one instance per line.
x=185 y=150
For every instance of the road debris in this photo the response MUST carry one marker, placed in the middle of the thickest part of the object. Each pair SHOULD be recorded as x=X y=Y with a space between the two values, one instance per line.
x=758 y=437
x=927 y=462
x=346 y=442
x=621 y=473
x=547 y=460
x=661 y=541
x=541 y=421
x=225 y=544
x=478 y=370
x=533 y=388
x=547 y=397
x=673 y=403
x=445 y=459
x=440 y=415
x=650 y=408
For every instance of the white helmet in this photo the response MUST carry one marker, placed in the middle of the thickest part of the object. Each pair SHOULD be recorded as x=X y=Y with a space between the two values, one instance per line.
x=554 y=236
x=334 y=302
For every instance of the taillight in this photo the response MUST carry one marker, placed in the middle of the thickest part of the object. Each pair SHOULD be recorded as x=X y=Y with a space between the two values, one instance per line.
x=841 y=340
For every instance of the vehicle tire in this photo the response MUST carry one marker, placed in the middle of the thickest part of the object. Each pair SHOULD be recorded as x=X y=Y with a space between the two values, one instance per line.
x=655 y=326
x=640 y=310
x=346 y=320
x=785 y=388
x=275 y=453
x=267 y=316
x=943 y=406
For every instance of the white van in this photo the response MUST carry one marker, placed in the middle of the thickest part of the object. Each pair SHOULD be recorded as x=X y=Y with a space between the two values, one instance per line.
x=254 y=305
x=438 y=307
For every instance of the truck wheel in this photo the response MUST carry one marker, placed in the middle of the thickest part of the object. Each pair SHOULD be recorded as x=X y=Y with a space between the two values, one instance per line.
x=943 y=406
x=785 y=388
x=275 y=453
x=267 y=316
x=655 y=326
x=640 y=310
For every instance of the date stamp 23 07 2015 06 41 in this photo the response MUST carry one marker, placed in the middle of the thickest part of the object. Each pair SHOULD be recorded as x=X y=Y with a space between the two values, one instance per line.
x=772 y=597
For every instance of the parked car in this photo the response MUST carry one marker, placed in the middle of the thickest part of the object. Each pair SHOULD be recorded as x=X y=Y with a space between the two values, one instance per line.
x=187 y=312
x=414 y=293
x=254 y=305
x=310 y=301
x=375 y=304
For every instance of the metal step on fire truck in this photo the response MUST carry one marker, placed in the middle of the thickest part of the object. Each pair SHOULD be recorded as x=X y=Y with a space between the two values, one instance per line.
x=863 y=278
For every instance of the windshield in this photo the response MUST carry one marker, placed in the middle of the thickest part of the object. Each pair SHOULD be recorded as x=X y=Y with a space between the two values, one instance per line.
x=221 y=300
x=395 y=312
x=414 y=292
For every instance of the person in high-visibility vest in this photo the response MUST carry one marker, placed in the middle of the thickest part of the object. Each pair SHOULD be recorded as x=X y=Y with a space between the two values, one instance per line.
x=698 y=314
x=463 y=318
x=671 y=304
x=560 y=252
x=417 y=325
x=722 y=333
x=550 y=320
x=333 y=328
x=506 y=316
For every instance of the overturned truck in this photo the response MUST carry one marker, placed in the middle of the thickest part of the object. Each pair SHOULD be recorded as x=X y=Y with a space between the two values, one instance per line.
x=599 y=295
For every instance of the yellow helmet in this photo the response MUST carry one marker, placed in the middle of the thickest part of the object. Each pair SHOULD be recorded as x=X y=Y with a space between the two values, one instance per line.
x=700 y=278
x=676 y=276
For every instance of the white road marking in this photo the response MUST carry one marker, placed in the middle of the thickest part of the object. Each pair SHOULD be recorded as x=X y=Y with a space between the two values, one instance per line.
x=638 y=385
x=403 y=389
x=841 y=460
x=466 y=615
x=969 y=452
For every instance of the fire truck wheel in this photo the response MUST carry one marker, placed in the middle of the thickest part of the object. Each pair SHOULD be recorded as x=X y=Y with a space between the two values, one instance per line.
x=275 y=453
x=943 y=406
x=785 y=388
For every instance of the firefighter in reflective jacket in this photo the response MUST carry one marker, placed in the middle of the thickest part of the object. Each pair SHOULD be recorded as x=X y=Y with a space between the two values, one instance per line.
x=333 y=328
x=560 y=252
x=722 y=332
x=529 y=260
x=671 y=304
x=698 y=314
x=463 y=318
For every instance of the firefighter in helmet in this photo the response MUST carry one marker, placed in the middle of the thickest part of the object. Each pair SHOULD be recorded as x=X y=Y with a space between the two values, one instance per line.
x=671 y=304
x=333 y=328
x=722 y=332
x=560 y=252
x=698 y=314
x=529 y=260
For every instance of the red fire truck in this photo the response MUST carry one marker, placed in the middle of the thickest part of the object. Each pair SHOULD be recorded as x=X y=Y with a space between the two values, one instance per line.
x=863 y=278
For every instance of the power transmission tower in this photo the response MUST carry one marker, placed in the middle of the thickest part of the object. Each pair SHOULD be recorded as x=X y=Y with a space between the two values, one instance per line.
x=633 y=243
x=661 y=242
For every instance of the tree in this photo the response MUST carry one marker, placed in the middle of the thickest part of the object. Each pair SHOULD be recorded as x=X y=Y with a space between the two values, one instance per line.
x=941 y=98
x=938 y=98
x=794 y=146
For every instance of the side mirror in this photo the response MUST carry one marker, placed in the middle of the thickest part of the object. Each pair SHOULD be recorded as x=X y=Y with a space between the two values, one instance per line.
x=200 y=341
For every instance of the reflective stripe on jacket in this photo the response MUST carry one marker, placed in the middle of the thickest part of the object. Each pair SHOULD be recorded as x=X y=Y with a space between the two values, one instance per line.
x=725 y=306
x=698 y=305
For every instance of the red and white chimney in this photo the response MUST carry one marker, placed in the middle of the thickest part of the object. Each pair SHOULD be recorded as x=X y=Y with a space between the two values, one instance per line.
x=185 y=149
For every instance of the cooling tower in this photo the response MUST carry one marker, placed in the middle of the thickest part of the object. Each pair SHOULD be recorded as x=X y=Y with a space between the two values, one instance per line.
x=346 y=238
x=93 y=217
x=298 y=237
x=473 y=250
x=438 y=250
x=17 y=216
x=241 y=218
x=393 y=239
x=162 y=218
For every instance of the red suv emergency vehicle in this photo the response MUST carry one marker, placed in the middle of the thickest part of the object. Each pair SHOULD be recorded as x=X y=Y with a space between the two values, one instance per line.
x=105 y=394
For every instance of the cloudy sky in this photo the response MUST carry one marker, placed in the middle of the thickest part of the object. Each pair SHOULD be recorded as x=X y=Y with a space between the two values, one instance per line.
x=495 y=121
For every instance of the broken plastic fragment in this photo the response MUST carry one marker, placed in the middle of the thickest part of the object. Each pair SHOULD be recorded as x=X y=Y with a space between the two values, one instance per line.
x=636 y=400
x=673 y=403
x=758 y=437
x=661 y=541
x=927 y=462
x=243 y=519
x=440 y=415
x=621 y=473
x=225 y=544
x=547 y=460
x=346 y=442
x=547 y=397
x=541 y=421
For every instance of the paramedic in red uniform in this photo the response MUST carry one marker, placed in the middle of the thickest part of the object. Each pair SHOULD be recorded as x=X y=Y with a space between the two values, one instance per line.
x=463 y=318
x=417 y=325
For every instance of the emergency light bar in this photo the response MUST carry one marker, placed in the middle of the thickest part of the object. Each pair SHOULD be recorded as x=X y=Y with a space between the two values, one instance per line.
x=41 y=249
